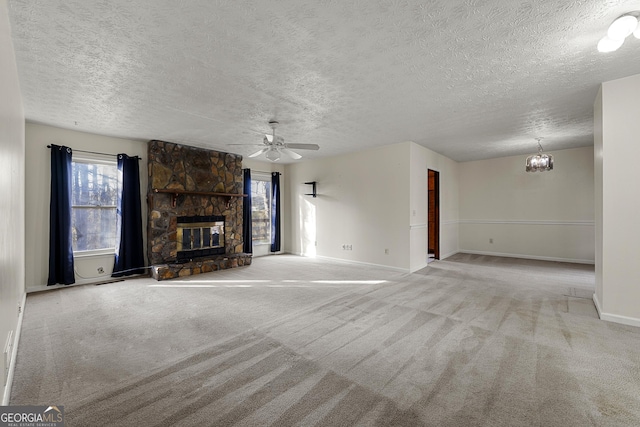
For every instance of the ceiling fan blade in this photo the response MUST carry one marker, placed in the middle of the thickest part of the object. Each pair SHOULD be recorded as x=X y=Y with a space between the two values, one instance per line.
x=268 y=137
x=257 y=153
x=303 y=146
x=292 y=154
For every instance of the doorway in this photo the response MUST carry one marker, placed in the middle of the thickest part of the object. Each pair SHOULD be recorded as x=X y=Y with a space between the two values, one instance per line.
x=433 y=222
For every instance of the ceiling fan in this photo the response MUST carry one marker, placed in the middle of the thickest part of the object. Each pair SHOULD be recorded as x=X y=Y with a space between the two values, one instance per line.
x=274 y=145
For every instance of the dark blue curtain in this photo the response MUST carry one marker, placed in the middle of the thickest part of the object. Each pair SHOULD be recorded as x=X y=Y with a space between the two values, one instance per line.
x=247 y=231
x=129 y=250
x=60 y=243
x=275 y=211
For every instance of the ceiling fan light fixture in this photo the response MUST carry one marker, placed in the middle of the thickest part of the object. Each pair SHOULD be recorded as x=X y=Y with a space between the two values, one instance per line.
x=274 y=147
x=622 y=27
x=273 y=154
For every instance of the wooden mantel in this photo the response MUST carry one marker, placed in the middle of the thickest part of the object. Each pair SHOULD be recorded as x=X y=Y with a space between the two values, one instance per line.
x=176 y=192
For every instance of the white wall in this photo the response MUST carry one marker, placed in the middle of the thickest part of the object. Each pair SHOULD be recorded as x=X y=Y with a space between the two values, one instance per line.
x=363 y=201
x=618 y=296
x=541 y=215
x=38 y=187
x=265 y=168
x=423 y=159
x=597 y=172
x=12 y=188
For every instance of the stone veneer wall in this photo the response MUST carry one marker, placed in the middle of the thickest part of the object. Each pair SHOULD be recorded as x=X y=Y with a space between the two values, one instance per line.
x=180 y=167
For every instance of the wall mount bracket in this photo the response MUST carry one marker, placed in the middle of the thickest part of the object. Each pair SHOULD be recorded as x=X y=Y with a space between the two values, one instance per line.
x=313 y=189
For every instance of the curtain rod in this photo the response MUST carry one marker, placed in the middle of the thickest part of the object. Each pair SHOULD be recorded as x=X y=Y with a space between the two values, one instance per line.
x=95 y=152
x=265 y=172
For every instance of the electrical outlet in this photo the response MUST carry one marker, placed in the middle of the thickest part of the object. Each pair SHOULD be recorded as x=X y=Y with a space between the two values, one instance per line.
x=386 y=251
x=100 y=270
x=490 y=240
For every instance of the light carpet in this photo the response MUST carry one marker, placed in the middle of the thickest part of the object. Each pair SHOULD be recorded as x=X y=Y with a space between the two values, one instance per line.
x=468 y=341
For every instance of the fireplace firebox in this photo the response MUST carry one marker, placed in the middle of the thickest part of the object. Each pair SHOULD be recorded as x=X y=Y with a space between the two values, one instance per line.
x=199 y=236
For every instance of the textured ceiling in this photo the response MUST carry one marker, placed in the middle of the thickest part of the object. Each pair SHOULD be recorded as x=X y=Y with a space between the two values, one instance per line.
x=469 y=79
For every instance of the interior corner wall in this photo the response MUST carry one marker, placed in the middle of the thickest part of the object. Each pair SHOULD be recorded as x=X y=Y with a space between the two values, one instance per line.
x=361 y=208
x=38 y=187
x=597 y=174
x=506 y=211
x=268 y=167
x=423 y=159
x=619 y=253
x=12 y=188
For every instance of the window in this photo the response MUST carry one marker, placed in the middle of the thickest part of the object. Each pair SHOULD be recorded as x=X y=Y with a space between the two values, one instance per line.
x=94 y=188
x=261 y=210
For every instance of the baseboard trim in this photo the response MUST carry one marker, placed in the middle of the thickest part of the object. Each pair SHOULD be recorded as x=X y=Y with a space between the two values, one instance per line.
x=445 y=256
x=101 y=280
x=82 y=282
x=536 y=257
x=425 y=265
x=624 y=320
x=615 y=318
x=14 y=353
x=596 y=302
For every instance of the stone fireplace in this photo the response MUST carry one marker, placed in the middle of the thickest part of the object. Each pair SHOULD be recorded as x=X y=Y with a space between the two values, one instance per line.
x=195 y=210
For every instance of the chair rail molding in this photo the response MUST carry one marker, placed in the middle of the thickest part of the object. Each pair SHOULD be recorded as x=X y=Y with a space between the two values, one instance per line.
x=527 y=222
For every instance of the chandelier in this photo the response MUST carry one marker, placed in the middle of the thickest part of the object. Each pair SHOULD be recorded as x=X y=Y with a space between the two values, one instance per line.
x=539 y=162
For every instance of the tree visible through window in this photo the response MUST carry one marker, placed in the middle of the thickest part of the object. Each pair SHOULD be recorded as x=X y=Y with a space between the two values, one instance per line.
x=93 y=205
x=261 y=211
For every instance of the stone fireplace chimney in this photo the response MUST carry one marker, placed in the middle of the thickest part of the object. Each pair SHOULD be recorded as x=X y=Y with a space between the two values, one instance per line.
x=198 y=186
